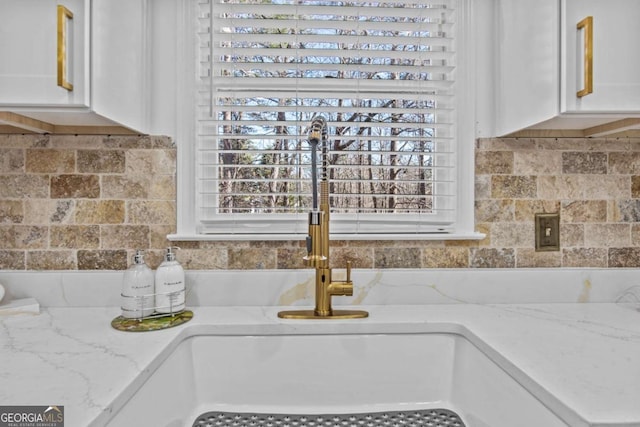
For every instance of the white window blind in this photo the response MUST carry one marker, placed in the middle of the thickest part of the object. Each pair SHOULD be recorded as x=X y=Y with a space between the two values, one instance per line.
x=382 y=74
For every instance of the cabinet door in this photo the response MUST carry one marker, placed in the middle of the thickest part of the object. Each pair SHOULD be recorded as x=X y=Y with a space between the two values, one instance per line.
x=121 y=51
x=616 y=57
x=30 y=47
x=528 y=63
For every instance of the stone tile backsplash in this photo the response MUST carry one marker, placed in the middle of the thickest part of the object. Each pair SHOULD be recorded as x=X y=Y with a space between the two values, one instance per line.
x=83 y=202
x=87 y=202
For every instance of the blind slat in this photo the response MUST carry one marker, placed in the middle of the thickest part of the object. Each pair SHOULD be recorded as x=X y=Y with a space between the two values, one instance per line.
x=211 y=126
x=328 y=53
x=343 y=10
x=270 y=24
x=317 y=94
x=275 y=67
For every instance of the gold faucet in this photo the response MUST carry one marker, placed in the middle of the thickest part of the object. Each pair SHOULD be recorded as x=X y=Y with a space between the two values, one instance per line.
x=318 y=241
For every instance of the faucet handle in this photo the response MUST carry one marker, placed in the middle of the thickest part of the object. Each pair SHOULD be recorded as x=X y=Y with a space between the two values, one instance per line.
x=348 y=271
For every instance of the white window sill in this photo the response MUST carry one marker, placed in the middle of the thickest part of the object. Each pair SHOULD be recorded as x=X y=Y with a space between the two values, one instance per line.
x=261 y=237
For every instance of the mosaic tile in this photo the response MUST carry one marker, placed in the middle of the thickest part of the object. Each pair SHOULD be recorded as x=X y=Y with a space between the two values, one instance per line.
x=629 y=210
x=607 y=235
x=49 y=160
x=146 y=162
x=11 y=160
x=126 y=186
x=24 y=141
x=495 y=210
x=162 y=187
x=102 y=259
x=492 y=258
x=290 y=258
x=158 y=235
x=63 y=211
x=101 y=161
x=12 y=260
x=537 y=163
x=51 y=260
x=450 y=257
x=100 y=211
x=397 y=258
x=564 y=187
x=571 y=234
x=584 y=211
x=584 y=257
x=24 y=186
x=624 y=163
x=74 y=236
x=513 y=234
x=11 y=211
x=124 y=236
x=624 y=257
x=75 y=186
x=151 y=212
x=584 y=163
x=529 y=258
x=513 y=187
x=76 y=142
x=24 y=236
x=482 y=187
x=494 y=162
x=525 y=210
x=606 y=187
x=360 y=257
x=252 y=258
x=212 y=258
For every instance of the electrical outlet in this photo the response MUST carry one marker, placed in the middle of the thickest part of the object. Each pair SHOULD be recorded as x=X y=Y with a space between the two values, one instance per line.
x=547 y=232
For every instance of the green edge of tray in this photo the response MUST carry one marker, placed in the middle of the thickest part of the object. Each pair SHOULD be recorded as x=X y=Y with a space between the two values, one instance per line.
x=152 y=323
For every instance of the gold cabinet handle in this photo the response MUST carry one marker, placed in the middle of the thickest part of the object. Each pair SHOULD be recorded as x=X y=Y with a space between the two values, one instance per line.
x=64 y=15
x=587 y=25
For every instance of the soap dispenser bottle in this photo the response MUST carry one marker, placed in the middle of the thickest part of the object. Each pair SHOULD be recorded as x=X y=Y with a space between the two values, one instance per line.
x=138 y=289
x=170 y=286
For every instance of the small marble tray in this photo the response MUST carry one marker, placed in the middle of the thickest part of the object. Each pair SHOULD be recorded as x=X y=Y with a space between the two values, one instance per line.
x=151 y=323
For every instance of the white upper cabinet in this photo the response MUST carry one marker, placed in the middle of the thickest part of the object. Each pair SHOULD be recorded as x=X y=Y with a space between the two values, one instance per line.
x=75 y=65
x=615 y=58
x=121 y=61
x=42 y=64
x=568 y=64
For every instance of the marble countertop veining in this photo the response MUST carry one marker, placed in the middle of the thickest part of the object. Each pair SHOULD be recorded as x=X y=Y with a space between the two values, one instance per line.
x=581 y=360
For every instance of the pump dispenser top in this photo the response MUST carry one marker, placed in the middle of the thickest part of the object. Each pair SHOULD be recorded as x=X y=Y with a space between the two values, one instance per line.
x=170 y=255
x=138 y=258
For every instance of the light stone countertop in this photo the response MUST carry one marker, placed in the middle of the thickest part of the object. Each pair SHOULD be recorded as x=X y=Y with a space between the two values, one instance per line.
x=581 y=360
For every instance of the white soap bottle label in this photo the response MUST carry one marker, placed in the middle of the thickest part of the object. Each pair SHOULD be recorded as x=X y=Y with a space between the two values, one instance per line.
x=170 y=296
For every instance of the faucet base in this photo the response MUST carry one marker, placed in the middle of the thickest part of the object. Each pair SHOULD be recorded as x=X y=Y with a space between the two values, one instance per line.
x=311 y=314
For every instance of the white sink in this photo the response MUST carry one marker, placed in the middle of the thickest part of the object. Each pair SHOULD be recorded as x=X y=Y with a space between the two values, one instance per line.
x=331 y=374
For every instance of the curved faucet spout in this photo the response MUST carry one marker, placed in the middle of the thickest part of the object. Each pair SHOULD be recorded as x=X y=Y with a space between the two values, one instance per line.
x=318 y=240
x=318 y=131
x=317 y=135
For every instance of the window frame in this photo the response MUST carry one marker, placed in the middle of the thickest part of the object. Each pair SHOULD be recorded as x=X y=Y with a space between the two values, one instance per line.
x=187 y=228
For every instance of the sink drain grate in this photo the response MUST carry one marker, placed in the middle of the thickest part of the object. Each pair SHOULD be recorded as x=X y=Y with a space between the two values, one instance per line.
x=419 y=418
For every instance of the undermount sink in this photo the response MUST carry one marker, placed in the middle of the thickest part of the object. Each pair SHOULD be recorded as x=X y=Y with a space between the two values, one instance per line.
x=331 y=374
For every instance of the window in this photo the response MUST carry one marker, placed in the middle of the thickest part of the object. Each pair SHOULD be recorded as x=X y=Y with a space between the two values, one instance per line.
x=387 y=78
